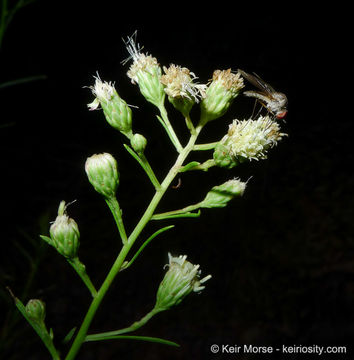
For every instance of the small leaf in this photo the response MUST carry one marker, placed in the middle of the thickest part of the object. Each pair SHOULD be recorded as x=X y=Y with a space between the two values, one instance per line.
x=189 y=166
x=69 y=335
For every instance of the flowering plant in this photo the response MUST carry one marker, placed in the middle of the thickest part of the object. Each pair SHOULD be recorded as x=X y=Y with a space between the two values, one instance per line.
x=246 y=140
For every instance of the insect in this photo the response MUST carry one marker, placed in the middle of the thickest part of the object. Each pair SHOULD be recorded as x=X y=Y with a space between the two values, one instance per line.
x=275 y=102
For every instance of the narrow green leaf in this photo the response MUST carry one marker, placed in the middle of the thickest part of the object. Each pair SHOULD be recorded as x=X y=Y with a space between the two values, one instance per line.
x=22 y=81
x=132 y=153
x=176 y=216
x=132 y=337
x=145 y=244
x=145 y=165
x=198 y=166
x=69 y=335
x=189 y=166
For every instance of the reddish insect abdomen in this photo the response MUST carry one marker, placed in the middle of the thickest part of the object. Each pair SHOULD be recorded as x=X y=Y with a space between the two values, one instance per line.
x=281 y=115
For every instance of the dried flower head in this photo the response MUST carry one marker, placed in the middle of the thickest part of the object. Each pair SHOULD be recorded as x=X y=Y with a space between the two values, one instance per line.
x=181 y=279
x=144 y=71
x=247 y=139
x=179 y=82
x=228 y=80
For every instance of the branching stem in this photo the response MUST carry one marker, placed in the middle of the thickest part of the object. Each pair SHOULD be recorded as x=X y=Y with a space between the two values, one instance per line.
x=81 y=335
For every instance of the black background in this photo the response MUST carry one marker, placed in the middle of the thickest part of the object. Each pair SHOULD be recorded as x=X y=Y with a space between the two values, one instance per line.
x=281 y=257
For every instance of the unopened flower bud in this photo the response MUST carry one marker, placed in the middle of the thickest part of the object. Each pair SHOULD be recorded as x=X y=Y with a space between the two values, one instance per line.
x=102 y=172
x=180 y=87
x=247 y=140
x=118 y=114
x=35 y=310
x=181 y=279
x=138 y=142
x=223 y=89
x=146 y=72
x=65 y=234
x=219 y=196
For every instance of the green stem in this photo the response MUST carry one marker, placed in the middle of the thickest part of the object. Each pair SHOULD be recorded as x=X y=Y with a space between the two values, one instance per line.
x=135 y=326
x=117 y=214
x=171 y=133
x=81 y=270
x=189 y=124
x=80 y=337
x=209 y=146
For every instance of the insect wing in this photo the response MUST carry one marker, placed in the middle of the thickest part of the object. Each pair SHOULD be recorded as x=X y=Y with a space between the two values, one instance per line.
x=267 y=90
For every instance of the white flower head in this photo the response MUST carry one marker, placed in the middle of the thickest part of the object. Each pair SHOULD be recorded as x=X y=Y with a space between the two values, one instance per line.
x=179 y=83
x=181 y=279
x=251 y=139
x=188 y=271
x=103 y=91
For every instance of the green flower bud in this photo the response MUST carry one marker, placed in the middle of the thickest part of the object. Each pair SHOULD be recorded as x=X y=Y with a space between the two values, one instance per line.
x=118 y=114
x=146 y=72
x=35 y=310
x=102 y=172
x=65 y=234
x=219 y=196
x=181 y=279
x=138 y=142
x=221 y=92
